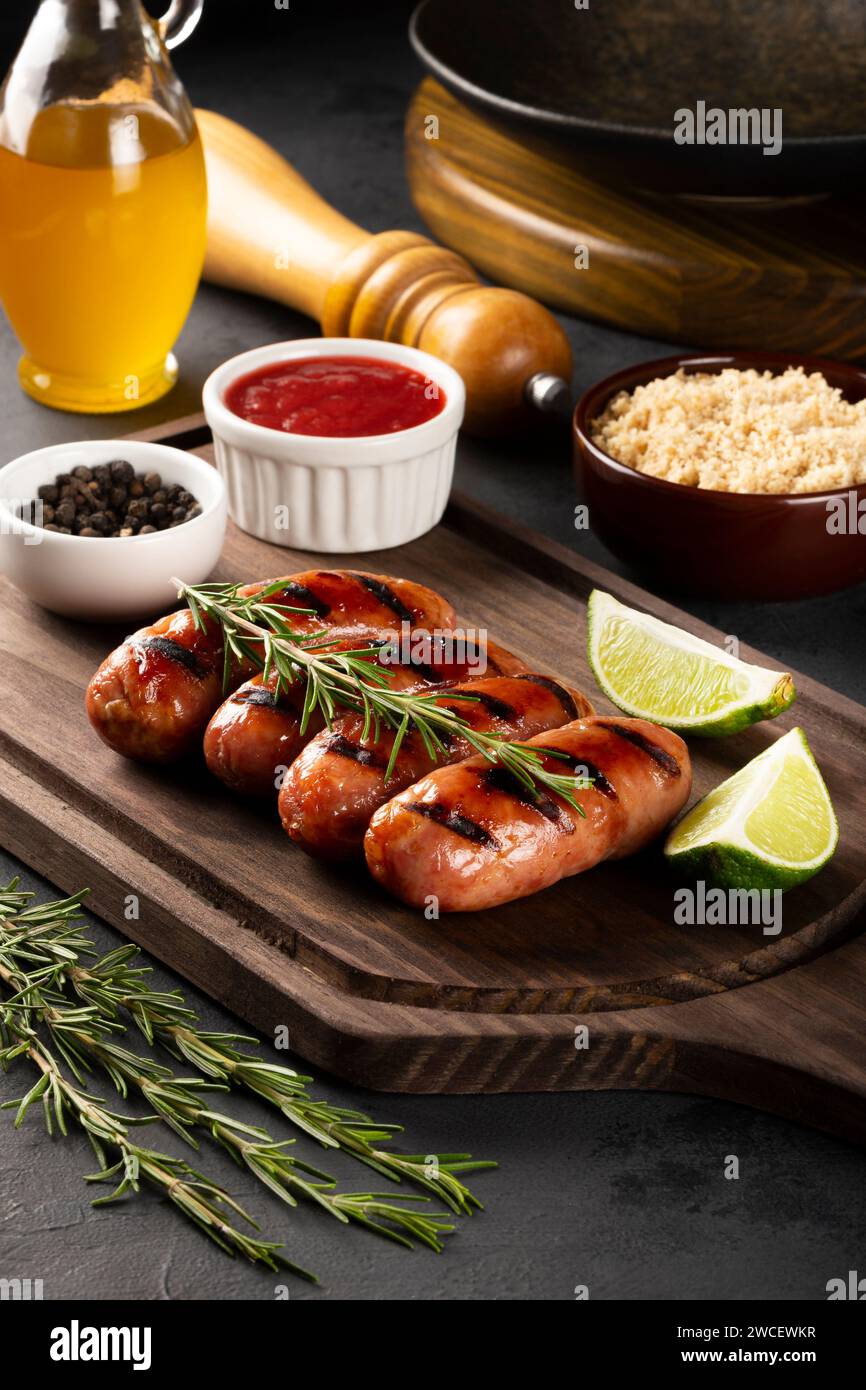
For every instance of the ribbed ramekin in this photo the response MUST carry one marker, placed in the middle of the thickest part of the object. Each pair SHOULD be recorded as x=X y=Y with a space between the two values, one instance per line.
x=337 y=495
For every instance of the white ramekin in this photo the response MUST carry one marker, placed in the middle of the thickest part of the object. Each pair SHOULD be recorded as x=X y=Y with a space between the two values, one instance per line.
x=109 y=578
x=337 y=495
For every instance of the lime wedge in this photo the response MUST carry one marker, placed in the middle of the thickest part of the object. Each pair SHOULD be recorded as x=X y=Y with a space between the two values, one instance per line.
x=771 y=825
x=654 y=671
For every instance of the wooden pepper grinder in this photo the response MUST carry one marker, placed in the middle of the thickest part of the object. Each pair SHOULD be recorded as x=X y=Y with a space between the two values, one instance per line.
x=269 y=232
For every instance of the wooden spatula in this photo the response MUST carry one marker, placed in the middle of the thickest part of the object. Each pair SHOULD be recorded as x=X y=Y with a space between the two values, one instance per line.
x=269 y=232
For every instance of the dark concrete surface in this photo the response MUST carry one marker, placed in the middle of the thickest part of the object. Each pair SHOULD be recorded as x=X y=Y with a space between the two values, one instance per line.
x=622 y=1192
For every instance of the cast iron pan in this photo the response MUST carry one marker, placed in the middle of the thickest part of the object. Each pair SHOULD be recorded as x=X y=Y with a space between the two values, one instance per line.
x=605 y=83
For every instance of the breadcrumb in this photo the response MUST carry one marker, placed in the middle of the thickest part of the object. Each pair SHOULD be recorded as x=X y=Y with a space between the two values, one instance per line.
x=739 y=431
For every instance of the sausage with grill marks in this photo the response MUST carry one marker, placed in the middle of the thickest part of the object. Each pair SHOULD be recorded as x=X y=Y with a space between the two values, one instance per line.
x=153 y=696
x=474 y=837
x=336 y=784
x=257 y=732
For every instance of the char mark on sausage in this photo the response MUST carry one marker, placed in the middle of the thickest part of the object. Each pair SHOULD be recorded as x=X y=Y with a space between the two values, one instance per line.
x=173 y=651
x=555 y=688
x=452 y=820
x=597 y=777
x=255 y=695
x=666 y=761
x=587 y=770
x=498 y=708
x=345 y=748
x=427 y=670
x=499 y=779
x=305 y=598
x=385 y=595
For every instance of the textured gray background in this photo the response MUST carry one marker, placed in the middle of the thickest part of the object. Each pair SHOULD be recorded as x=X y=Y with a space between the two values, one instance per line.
x=623 y=1192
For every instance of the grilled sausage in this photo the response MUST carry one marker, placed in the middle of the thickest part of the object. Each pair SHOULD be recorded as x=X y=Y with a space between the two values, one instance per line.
x=472 y=836
x=338 y=781
x=455 y=656
x=256 y=732
x=152 y=697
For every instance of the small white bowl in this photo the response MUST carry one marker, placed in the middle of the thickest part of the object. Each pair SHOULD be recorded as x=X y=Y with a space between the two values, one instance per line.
x=109 y=578
x=335 y=494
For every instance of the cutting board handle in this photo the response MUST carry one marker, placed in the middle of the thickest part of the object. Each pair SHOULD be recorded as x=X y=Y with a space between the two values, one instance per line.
x=270 y=233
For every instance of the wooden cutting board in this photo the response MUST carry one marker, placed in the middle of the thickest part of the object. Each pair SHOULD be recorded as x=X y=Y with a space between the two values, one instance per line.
x=483 y=1002
x=787 y=275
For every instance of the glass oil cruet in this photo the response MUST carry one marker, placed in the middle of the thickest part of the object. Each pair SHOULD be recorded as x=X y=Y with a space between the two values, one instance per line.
x=102 y=202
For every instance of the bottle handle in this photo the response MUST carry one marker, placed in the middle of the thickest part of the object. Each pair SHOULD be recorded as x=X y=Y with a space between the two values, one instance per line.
x=179 y=20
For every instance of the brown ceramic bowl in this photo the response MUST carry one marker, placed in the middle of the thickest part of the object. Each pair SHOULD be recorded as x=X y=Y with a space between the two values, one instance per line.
x=723 y=544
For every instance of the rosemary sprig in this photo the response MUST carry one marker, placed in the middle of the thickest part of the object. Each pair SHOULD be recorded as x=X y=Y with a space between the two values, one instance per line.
x=259 y=633
x=200 y=1200
x=351 y=1131
x=40 y=951
x=112 y=984
x=82 y=1039
x=161 y=1017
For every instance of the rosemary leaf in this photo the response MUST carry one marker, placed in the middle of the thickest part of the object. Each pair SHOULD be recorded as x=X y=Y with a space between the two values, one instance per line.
x=41 y=955
x=350 y=680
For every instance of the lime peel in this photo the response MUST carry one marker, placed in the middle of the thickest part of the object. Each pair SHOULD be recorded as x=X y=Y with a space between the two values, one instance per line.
x=652 y=670
x=770 y=825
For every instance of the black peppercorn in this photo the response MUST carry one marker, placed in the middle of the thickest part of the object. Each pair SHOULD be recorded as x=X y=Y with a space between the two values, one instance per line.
x=110 y=499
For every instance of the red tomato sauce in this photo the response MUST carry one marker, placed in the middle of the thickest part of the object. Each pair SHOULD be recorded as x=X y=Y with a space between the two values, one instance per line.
x=346 y=396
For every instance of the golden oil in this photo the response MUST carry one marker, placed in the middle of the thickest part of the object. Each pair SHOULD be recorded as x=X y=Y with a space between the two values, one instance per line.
x=102 y=239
